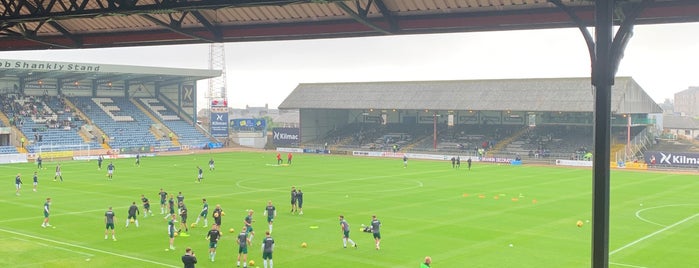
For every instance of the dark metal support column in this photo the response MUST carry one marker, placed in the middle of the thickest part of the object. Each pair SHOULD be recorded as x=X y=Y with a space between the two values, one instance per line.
x=602 y=79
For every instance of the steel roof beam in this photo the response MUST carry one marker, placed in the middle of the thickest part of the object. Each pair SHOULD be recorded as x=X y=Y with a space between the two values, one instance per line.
x=216 y=32
x=175 y=25
x=361 y=15
x=22 y=11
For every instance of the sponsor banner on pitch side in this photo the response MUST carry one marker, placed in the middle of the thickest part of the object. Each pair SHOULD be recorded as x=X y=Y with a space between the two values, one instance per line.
x=219 y=124
x=286 y=136
x=672 y=159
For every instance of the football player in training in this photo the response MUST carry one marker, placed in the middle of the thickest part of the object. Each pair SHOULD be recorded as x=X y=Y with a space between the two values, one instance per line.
x=133 y=211
x=345 y=233
x=200 y=175
x=47 y=204
x=171 y=230
x=243 y=242
x=248 y=224
x=109 y=219
x=293 y=199
x=110 y=170
x=213 y=236
x=204 y=213
x=218 y=212
x=375 y=230
x=163 y=201
x=267 y=249
x=270 y=212
x=146 y=206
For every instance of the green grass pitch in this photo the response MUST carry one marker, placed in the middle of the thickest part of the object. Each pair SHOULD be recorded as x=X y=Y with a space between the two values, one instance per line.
x=491 y=216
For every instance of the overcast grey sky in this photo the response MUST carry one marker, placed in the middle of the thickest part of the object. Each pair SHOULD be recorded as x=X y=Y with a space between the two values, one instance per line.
x=663 y=59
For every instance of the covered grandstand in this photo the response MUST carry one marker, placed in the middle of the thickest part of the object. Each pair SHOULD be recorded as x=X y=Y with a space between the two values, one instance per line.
x=65 y=106
x=528 y=117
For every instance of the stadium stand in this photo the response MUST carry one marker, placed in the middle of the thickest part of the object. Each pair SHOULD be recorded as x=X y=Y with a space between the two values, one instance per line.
x=124 y=124
x=186 y=133
x=46 y=122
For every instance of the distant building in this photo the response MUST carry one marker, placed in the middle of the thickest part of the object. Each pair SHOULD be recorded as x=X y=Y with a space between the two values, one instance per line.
x=668 y=107
x=681 y=126
x=687 y=102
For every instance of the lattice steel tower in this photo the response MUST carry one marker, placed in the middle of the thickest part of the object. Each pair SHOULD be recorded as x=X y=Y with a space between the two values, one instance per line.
x=217 y=61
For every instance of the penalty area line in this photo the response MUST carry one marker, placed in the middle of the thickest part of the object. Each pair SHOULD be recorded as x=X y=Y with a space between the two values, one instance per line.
x=88 y=249
x=653 y=234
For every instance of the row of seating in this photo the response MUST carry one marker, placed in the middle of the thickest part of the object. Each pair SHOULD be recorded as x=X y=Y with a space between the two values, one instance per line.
x=8 y=150
x=124 y=124
x=186 y=133
x=54 y=128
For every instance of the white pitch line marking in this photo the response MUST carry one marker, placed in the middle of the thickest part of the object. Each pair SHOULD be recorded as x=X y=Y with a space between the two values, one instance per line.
x=653 y=234
x=626 y=265
x=89 y=249
x=56 y=247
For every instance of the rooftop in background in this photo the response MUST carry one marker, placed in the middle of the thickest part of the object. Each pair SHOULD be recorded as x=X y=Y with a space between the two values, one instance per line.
x=540 y=94
x=112 y=23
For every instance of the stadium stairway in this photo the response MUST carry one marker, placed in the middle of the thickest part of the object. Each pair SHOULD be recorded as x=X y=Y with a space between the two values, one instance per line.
x=155 y=120
x=5 y=120
x=506 y=141
x=98 y=132
x=614 y=148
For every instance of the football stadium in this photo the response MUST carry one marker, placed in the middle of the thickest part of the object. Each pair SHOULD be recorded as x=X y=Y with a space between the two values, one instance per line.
x=114 y=165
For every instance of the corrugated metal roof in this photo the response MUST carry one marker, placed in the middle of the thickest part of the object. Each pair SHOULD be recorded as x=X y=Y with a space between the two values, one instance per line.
x=61 y=24
x=680 y=122
x=545 y=94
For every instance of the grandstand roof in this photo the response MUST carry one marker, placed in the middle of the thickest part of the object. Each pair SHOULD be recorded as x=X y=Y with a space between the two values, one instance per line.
x=539 y=94
x=31 y=25
x=72 y=71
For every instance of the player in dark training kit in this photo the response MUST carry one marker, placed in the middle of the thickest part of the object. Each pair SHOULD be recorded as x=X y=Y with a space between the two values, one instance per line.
x=213 y=236
x=109 y=218
x=211 y=164
x=58 y=172
x=180 y=201
x=146 y=206
x=345 y=232
x=248 y=224
x=218 y=212
x=200 y=174
x=171 y=230
x=163 y=199
x=36 y=181
x=99 y=162
x=293 y=199
x=133 y=211
x=204 y=213
x=47 y=204
x=267 y=249
x=270 y=212
x=170 y=207
x=243 y=242
x=468 y=163
x=18 y=183
x=183 y=220
x=375 y=230
x=39 y=162
x=110 y=170
x=299 y=201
